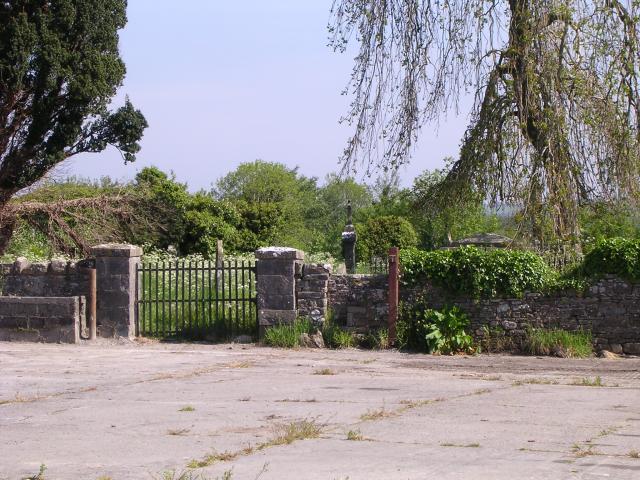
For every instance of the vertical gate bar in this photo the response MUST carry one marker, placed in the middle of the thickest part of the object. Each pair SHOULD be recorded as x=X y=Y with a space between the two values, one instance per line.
x=223 y=308
x=169 y=287
x=195 y=297
x=203 y=304
x=156 y=297
x=189 y=303
x=177 y=294
x=237 y=297
x=217 y=296
x=163 y=295
x=233 y=321
x=209 y=295
x=244 y=298
x=205 y=312
x=251 y=295
x=144 y=297
x=182 y=297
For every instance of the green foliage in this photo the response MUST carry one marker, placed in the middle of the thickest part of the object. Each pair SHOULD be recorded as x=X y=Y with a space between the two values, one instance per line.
x=271 y=196
x=287 y=336
x=560 y=343
x=60 y=67
x=615 y=256
x=336 y=337
x=497 y=340
x=30 y=243
x=603 y=220
x=435 y=223
x=376 y=339
x=331 y=212
x=433 y=331
x=481 y=273
x=378 y=234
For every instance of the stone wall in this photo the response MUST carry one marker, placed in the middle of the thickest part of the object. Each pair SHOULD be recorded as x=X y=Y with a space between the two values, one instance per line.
x=57 y=278
x=41 y=319
x=359 y=302
x=312 y=291
x=610 y=309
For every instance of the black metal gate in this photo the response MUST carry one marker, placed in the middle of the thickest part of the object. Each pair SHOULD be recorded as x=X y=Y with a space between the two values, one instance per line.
x=197 y=300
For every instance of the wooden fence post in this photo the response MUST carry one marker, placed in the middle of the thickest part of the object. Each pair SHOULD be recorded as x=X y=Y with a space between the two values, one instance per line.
x=394 y=275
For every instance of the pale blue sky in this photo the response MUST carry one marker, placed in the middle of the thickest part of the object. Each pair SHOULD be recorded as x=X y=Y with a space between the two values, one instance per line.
x=225 y=82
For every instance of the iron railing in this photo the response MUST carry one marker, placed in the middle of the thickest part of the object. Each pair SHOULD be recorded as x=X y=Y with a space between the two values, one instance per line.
x=197 y=299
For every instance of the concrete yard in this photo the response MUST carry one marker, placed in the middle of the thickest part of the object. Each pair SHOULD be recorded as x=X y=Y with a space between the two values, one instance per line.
x=142 y=411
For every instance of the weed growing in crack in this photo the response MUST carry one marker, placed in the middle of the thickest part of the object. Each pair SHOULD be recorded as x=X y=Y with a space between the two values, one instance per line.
x=355 y=435
x=588 y=382
x=372 y=415
x=40 y=474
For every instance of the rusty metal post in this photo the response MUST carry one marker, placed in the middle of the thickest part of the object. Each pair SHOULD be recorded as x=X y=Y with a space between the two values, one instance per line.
x=394 y=291
x=93 y=326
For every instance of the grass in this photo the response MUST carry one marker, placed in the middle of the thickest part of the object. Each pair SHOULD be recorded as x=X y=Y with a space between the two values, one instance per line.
x=535 y=381
x=559 y=343
x=173 y=475
x=634 y=454
x=372 y=415
x=188 y=408
x=286 y=336
x=588 y=382
x=324 y=371
x=297 y=400
x=294 y=431
x=283 y=435
x=583 y=451
x=336 y=337
x=354 y=435
x=468 y=445
x=212 y=458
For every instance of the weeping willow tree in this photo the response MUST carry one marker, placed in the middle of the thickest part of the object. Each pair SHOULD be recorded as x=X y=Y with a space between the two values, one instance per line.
x=556 y=115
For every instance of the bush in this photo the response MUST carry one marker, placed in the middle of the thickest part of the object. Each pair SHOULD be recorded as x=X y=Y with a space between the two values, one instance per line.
x=378 y=234
x=480 y=273
x=615 y=256
x=433 y=331
x=559 y=343
x=287 y=336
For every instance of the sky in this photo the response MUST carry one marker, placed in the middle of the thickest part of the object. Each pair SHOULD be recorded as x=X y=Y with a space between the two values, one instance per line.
x=223 y=82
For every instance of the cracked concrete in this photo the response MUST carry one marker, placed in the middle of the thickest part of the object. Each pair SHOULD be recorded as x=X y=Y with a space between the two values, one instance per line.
x=135 y=411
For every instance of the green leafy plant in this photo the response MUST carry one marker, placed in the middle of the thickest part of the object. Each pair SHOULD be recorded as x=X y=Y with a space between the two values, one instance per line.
x=434 y=331
x=614 y=256
x=481 y=273
x=287 y=336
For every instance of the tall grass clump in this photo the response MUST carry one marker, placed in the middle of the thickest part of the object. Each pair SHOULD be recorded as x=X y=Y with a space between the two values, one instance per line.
x=287 y=336
x=559 y=343
x=336 y=337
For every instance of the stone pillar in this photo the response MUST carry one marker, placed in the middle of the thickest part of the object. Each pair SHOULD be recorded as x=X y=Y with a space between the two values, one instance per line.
x=277 y=268
x=116 y=267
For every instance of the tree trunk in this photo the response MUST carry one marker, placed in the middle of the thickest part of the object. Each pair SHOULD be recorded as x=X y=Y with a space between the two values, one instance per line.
x=535 y=108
